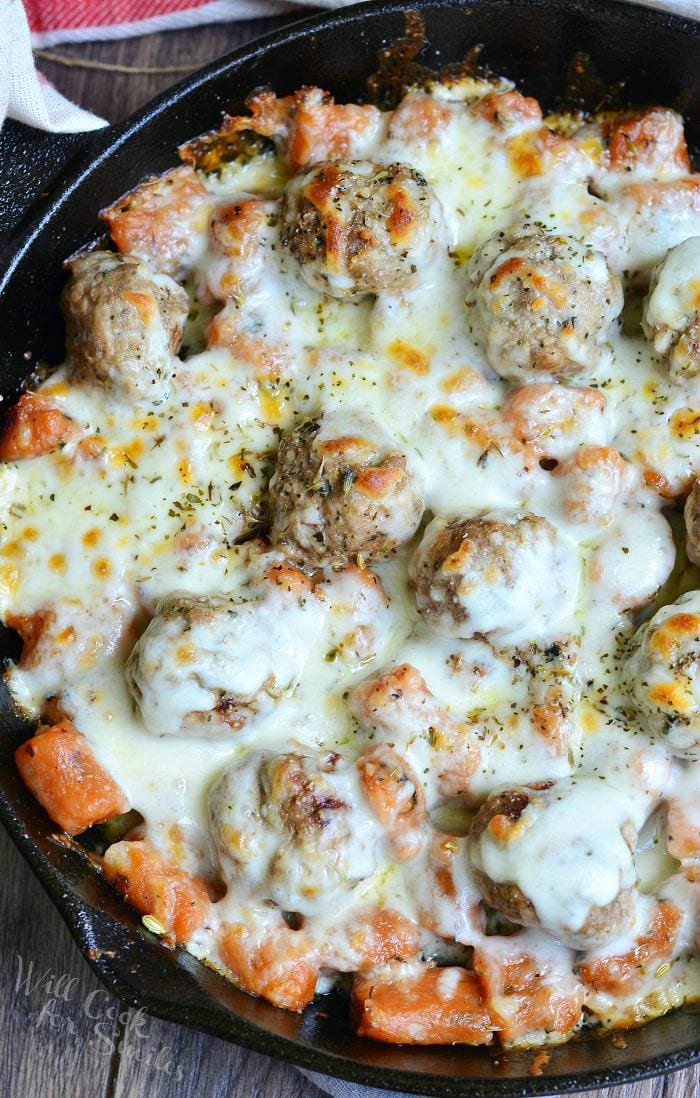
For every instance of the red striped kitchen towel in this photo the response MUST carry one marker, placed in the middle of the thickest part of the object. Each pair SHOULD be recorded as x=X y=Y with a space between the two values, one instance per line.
x=52 y=21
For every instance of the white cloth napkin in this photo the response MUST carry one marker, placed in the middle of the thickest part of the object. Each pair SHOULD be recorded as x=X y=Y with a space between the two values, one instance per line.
x=24 y=94
x=28 y=97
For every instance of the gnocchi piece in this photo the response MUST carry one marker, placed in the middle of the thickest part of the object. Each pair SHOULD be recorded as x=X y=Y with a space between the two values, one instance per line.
x=373 y=937
x=63 y=643
x=307 y=127
x=396 y=798
x=34 y=426
x=663 y=674
x=621 y=973
x=419 y=119
x=671 y=318
x=241 y=235
x=657 y=214
x=639 y=768
x=683 y=813
x=635 y=554
x=652 y=139
x=531 y=992
x=59 y=766
x=450 y=903
x=644 y=146
x=427 y=1006
x=554 y=419
x=594 y=480
x=178 y=902
x=400 y=708
x=273 y=961
x=509 y=111
x=163 y=221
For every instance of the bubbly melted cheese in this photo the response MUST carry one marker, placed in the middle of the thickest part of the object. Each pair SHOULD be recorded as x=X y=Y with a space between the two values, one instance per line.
x=175 y=487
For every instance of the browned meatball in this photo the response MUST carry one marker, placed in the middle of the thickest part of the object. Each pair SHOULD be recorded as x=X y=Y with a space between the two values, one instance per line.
x=542 y=304
x=692 y=523
x=358 y=228
x=512 y=577
x=207 y=665
x=559 y=856
x=341 y=488
x=293 y=829
x=124 y=324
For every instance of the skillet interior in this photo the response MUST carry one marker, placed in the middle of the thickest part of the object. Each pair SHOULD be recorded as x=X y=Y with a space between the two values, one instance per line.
x=532 y=41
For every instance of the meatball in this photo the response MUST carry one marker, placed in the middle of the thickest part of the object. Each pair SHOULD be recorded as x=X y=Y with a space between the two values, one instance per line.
x=207 y=665
x=292 y=830
x=512 y=578
x=358 y=228
x=124 y=324
x=542 y=304
x=663 y=673
x=559 y=856
x=692 y=523
x=671 y=317
x=341 y=489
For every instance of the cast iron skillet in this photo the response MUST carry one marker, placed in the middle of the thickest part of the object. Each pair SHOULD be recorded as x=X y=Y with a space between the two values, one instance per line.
x=53 y=188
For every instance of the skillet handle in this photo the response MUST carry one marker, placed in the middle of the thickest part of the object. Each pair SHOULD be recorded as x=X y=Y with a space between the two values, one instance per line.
x=30 y=162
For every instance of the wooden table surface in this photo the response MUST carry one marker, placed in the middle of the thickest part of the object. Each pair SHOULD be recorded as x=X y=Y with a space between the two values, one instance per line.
x=60 y=1029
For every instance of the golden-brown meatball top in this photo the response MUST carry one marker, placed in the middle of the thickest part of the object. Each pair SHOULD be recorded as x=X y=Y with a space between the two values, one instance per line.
x=541 y=304
x=341 y=488
x=358 y=228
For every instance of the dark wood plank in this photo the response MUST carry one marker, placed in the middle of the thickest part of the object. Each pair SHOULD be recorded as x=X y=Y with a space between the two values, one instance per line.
x=648 y=1088
x=683 y=1084
x=115 y=95
x=165 y=1061
x=49 y=1043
